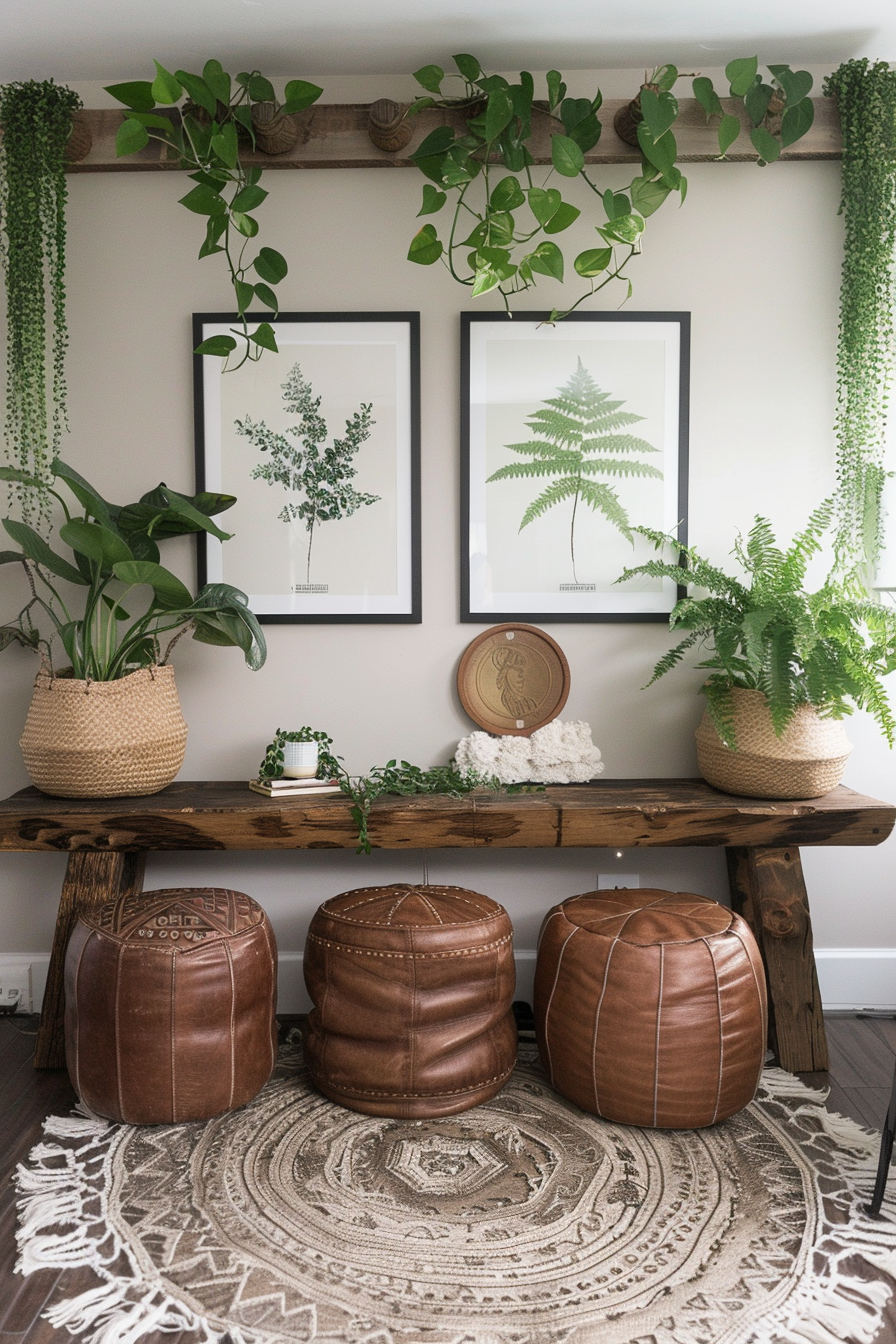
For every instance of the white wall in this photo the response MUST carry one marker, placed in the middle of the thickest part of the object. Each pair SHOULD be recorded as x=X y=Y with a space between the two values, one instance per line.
x=753 y=255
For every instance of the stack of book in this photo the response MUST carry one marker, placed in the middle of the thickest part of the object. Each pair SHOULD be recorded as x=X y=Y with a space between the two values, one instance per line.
x=289 y=788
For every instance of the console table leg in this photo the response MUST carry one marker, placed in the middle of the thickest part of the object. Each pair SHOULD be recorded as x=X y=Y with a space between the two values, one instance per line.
x=768 y=889
x=90 y=879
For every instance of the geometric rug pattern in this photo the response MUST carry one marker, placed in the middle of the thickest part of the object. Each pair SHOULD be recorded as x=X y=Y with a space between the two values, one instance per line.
x=521 y=1221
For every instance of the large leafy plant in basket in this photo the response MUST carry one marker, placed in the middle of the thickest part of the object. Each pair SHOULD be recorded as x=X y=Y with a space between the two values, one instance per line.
x=829 y=649
x=113 y=607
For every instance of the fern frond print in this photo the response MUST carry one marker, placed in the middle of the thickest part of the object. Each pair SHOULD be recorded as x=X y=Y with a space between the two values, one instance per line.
x=303 y=464
x=579 y=434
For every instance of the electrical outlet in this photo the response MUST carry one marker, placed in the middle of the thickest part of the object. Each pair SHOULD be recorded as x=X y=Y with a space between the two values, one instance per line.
x=15 y=988
x=607 y=881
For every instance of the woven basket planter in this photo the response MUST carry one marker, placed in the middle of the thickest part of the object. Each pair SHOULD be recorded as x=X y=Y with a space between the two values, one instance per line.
x=807 y=761
x=104 y=739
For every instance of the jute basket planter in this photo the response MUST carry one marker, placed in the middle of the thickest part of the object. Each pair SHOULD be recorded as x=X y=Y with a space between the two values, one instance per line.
x=104 y=739
x=807 y=761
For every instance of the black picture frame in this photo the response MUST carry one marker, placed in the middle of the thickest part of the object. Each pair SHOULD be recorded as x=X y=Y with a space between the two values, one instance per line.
x=369 y=569
x=511 y=367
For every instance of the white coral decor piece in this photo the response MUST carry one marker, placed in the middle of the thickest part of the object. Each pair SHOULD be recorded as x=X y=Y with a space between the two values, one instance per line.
x=558 y=753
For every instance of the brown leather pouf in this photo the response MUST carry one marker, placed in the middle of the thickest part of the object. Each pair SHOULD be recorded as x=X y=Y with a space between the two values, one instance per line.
x=169 y=1005
x=412 y=990
x=650 y=1007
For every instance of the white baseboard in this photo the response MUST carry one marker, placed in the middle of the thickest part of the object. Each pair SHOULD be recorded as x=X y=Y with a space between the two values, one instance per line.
x=851 y=978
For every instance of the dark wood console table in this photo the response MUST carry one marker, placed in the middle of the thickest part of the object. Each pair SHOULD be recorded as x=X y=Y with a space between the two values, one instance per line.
x=107 y=841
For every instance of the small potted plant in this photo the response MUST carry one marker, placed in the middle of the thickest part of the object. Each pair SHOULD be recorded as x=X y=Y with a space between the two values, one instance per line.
x=110 y=723
x=786 y=666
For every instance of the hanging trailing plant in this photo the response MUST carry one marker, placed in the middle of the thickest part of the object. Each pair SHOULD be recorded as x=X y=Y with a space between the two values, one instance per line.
x=503 y=223
x=36 y=118
x=220 y=117
x=866 y=99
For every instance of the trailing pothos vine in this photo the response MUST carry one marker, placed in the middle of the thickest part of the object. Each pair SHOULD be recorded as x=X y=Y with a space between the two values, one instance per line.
x=206 y=136
x=489 y=246
x=866 y=100
x=37 y=119
x=395 y=777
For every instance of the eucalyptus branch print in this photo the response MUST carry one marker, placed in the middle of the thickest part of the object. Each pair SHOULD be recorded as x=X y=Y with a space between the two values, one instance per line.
x=581 y=420
x=302 y=464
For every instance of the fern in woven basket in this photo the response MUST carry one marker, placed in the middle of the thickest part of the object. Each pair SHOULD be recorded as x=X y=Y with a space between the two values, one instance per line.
x=829 y=649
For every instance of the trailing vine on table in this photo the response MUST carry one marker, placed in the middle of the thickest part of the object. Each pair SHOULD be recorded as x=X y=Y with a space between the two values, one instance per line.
x=37 y=120
x=395 y=777
x=866 y=100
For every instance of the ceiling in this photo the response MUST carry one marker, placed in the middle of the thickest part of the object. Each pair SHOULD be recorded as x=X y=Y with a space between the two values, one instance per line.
x=107 y=40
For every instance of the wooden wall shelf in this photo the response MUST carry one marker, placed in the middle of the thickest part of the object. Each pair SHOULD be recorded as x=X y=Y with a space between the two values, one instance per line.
x=334 y=135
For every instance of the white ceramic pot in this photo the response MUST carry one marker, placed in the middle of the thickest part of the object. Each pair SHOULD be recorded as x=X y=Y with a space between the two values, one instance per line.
x=300 y=760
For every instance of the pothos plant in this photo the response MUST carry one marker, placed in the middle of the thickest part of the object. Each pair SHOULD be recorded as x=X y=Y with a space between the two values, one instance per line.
x=207 y=136
x=866 y=100
x=506 y=214
x=36 y=118
x=396 y=777
x=780 y=110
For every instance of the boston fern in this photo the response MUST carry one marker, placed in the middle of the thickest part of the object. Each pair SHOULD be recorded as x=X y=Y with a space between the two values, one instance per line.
x=580 y=421
x=827 y=649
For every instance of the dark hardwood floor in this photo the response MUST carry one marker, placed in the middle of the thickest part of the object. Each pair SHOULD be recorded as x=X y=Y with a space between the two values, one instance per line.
x=862 y=1049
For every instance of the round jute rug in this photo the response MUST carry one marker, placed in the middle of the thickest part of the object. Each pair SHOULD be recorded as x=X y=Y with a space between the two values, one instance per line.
x=523 y=1221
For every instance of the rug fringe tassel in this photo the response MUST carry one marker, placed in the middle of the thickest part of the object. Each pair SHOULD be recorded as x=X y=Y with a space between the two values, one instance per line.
x=114 y=1318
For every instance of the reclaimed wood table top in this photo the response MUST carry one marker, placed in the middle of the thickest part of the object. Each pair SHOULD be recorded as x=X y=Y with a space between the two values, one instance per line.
x=625 y=812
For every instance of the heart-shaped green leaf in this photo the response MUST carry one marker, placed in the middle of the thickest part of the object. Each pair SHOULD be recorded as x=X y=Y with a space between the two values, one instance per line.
x=729 y=130
x=468 y=66
x=204 y=201
x=165 y=88
x=562 y=218
x=430 y=77
x=433 y=200
x=659 y=111
x=171 y=594
x=137 y=94
x=766 y=146
x=299 y=94
x=217 y=80
x=104 y=547
x=199 y=91
x=740 y=74
x=250 y=198
x=707 y=97
x=264 y=336
x=270 y=265
x=797 y=121
x=547 y=259
x=593 y=262
x=566 y=156
x=498 y=113
x=130 y=137
x=648 y=195
x=543 y=203
x=507 y=195
x=425 y=246
x=220 y=346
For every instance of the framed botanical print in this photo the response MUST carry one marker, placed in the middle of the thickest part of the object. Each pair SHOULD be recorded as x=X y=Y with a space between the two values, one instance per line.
x=573 y=435
x=320 y=444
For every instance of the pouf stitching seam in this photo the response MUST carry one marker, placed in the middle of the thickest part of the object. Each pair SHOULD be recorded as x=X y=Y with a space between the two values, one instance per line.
x=410 y=956
x=169 y=944
x=402 y=1096
x=382 y=923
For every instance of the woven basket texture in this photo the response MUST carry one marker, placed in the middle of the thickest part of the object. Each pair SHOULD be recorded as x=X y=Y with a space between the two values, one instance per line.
x=104 y=739
x=806 y=761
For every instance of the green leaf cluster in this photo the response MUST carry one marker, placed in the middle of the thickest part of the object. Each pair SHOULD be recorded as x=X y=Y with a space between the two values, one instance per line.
x=866 y=101
x=114 y=551
x=207 y=136
x=570 y=429
x=328 y=765
x=504 y=217
x=780 y=109
x=302 y=463
x=37 y=119
x=829 y=649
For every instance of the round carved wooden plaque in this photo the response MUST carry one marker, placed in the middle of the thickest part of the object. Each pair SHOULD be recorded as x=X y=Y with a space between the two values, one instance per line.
x=513 y=679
